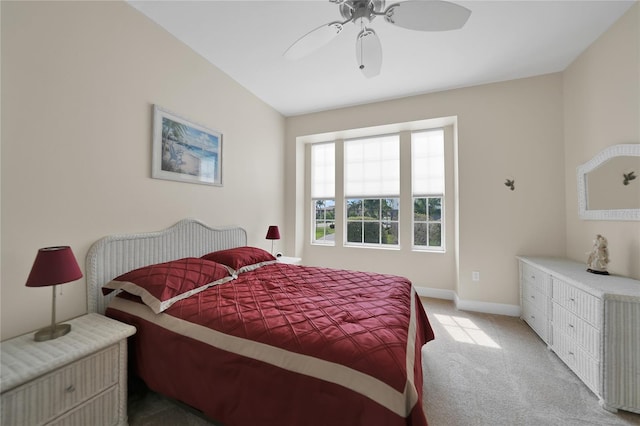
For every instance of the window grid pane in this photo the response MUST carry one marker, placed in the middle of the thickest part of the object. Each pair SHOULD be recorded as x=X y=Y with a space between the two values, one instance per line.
x=372 y=221
x=427 y=228
x=324 y=229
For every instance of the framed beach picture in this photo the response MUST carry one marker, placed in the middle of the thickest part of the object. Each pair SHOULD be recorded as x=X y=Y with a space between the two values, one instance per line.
x=185 y=151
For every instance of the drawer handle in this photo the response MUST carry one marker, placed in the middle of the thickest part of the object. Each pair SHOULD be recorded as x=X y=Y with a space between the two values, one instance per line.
x=571 y=299
x=70 y=389
x=533 y=317
x=570 y=325
x=533 y=277
x=533 y=297
x=570 y=353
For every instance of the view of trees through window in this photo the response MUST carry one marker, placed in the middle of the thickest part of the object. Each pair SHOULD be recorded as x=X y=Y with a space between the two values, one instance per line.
x=325 y=226
x=372 y=220
x=427 y=221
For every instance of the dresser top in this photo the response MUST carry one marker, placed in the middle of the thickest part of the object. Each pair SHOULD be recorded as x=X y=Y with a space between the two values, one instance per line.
x=606 y=286
x=23 y=359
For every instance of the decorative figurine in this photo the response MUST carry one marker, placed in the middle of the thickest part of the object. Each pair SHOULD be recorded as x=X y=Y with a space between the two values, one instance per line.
x=628 y=177
x=510 y=183
x=599 y=256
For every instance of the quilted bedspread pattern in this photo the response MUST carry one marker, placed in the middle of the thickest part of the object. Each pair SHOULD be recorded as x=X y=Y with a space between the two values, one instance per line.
x=289 y=345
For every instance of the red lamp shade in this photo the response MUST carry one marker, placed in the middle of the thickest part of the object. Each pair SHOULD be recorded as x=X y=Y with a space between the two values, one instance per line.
x=273 y=233
x=54 y=265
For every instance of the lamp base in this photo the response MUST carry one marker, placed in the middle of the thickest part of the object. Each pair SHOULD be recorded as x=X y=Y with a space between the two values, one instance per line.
x=52 y=332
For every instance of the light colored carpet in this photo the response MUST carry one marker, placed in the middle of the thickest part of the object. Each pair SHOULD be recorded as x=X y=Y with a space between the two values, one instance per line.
x=480 y=370
x=505 y=375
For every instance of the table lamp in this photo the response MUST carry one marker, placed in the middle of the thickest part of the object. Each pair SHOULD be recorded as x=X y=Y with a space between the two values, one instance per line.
x=273 y=233
x=53 y=265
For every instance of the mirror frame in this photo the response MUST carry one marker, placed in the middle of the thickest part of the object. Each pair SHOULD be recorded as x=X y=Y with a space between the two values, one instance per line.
x=622 y=150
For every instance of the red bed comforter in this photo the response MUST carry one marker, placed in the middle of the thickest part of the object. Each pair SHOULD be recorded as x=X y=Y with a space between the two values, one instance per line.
x=288 y=345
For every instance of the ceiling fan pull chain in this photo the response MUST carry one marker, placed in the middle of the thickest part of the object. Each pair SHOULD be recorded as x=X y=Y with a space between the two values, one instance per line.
x=361 y=45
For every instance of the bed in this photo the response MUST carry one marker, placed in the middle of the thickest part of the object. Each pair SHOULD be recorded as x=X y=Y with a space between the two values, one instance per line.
x=228 y=330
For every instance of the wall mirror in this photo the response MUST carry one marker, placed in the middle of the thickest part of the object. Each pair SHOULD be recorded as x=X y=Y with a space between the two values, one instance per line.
x=602 y=192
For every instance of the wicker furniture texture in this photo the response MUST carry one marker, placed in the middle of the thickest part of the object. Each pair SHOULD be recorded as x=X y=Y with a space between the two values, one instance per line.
x=590 y=321
x=116 y=254
x=78 y=379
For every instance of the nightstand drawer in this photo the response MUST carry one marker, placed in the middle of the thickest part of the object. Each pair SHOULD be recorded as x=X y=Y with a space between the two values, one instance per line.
x=51 y=395
x=99 y=411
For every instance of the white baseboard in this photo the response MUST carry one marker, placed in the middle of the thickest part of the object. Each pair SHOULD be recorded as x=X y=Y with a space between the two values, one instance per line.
x=487 y=307
x=436 y=293
x=469 y=305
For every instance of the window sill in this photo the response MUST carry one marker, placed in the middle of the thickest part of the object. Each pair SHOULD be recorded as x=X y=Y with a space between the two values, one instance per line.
x=428 y=250
x=374 y=247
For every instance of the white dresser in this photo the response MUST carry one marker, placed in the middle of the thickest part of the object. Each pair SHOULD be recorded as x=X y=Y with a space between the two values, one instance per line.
x=77 y=379
x=592 y=322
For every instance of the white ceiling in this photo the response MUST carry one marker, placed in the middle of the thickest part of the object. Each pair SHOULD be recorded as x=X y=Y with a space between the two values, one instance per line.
x=503 y=40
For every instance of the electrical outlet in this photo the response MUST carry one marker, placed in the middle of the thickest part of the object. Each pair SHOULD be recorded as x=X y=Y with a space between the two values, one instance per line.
x=475 y=276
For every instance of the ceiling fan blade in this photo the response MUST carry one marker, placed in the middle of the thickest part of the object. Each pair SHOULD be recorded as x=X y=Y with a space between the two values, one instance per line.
x=313 y=40
x=369 y=53
x=432 y=15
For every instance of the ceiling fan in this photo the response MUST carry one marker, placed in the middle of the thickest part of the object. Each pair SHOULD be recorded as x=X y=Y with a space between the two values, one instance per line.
x=421 y=15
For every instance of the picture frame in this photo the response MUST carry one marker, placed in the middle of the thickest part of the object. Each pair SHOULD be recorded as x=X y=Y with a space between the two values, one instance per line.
x=185 y=151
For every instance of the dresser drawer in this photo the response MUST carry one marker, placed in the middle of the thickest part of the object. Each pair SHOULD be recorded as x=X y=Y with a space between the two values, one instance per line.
x=583 y=304
x=582 y=332
x=586 y=367
x=49 y=396
x=536 y=319
x=534 y=296
x=535 y=277
x=102 y=410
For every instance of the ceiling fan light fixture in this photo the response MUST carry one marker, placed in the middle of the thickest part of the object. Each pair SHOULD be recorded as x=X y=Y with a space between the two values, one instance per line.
x=369 y=53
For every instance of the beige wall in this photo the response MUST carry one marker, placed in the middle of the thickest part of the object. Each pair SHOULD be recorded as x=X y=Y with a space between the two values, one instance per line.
x=602 y=108
x=511 y=129
x=79 y=80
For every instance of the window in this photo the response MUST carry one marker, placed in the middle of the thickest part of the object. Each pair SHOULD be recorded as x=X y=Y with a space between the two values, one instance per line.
x=323 y=192
x=372 y=190
x=427 y=180
x=372 y=195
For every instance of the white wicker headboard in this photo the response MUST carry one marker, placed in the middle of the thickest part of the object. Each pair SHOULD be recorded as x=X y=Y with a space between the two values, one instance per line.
x=116 y=254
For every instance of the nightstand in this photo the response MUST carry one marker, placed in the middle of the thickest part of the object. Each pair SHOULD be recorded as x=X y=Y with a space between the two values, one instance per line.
x=76 y=379
x=290 y=260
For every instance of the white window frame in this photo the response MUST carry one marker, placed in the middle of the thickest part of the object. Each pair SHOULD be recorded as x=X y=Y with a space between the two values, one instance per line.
x=406 y=222
x=428 y=194
x=323 y=195
x=371 y=196
x=428 y=247
x=315 y=220
x=380 y=221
